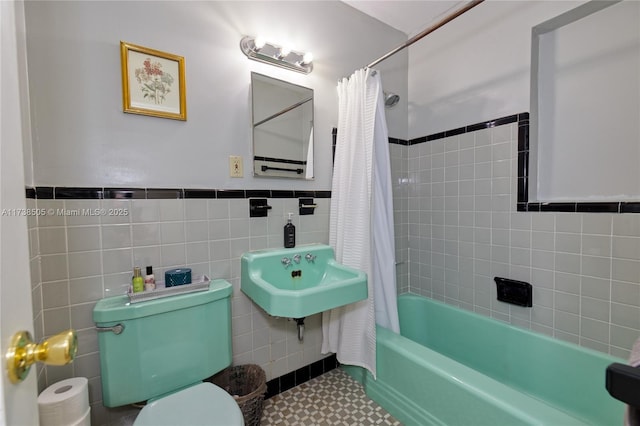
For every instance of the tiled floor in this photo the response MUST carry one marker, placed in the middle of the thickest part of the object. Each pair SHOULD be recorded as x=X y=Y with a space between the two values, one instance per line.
x=331 y=399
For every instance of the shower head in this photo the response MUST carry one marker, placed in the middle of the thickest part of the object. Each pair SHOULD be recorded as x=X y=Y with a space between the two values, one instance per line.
x=390 y=99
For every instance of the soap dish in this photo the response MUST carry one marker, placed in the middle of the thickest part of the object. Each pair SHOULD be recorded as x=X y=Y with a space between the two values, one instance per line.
x=198 y=283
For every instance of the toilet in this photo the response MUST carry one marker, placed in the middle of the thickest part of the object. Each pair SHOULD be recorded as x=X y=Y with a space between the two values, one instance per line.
x=160 y=350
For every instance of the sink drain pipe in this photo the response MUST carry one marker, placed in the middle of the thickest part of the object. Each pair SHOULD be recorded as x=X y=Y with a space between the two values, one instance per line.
x=300 y=323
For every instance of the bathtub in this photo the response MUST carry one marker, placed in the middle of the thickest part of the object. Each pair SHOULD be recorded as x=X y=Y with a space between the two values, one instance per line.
x=455 y=367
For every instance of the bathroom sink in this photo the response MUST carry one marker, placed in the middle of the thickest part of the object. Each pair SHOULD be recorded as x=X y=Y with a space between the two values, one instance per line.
x=301 y=281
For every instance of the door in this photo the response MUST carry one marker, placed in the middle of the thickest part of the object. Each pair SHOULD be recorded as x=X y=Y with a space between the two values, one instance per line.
x=18 y=403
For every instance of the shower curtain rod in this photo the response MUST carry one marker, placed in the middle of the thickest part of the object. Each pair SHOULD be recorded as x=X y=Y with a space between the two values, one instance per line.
x=427 y=31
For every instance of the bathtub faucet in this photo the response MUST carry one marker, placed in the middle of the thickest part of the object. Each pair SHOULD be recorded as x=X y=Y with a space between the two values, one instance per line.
x=310 y=258
x=286 y=261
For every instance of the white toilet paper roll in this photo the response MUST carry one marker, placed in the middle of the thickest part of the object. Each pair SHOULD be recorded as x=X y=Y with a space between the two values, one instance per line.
x=64 y=403
x=85 y=420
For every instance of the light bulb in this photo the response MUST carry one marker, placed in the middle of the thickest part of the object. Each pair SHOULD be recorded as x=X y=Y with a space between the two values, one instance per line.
x=284 y=51
x=259 y=42
x=307 y=58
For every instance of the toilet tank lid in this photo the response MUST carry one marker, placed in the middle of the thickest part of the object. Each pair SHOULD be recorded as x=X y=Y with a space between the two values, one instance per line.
x=118 y=308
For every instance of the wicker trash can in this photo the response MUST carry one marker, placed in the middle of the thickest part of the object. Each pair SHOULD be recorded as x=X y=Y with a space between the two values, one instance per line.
x=247 y=384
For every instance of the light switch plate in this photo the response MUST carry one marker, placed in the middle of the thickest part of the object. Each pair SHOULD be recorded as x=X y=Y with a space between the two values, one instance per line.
x=235 y=166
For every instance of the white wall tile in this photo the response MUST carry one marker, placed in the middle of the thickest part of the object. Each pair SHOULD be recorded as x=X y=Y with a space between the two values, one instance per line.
x=55 y=294
x=577 y=263
x=54 y=267
x=197 y=231
x=172 y=232
x=115 y=261
x=145 y=211
x=83 y=238
x=147 y=256
x=171 y=210
x=197 y=252
x=83 y=290
x=85 y=264
x=120 y=206
x=52 y=240
x=173 y=255
x=145 y=234
x=116 y=236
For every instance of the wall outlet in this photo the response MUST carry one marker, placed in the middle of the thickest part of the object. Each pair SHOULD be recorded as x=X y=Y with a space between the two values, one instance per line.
x=235 y=166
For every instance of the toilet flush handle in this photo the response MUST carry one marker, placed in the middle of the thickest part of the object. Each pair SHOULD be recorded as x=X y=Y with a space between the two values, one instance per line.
x=116 y=329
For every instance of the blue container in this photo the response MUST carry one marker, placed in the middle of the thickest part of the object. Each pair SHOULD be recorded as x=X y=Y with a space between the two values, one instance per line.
x=174 y=277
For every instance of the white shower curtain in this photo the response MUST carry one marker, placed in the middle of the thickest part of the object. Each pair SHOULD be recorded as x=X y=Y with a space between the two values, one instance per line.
x=361 y=221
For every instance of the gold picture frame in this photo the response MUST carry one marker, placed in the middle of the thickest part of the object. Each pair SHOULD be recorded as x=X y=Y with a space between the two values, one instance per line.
x=149 y=82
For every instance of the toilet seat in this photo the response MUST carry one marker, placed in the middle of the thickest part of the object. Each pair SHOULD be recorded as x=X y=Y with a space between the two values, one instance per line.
x=201 y=404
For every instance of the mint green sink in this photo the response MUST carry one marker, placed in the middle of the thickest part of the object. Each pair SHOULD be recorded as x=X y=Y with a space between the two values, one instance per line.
x=302 y=281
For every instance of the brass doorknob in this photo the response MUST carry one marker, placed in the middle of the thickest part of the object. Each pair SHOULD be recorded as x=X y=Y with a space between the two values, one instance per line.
x=60 y=349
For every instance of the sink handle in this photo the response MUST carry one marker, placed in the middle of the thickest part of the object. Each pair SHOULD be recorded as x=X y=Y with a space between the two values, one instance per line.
x=286 y=262
x=311 y=258
x=296 y=258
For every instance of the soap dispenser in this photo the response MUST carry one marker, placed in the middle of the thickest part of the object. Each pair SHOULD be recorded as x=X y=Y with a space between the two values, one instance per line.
x=289 y=234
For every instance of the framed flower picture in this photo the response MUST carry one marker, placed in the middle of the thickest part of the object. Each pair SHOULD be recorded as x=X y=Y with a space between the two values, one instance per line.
x=153 y=82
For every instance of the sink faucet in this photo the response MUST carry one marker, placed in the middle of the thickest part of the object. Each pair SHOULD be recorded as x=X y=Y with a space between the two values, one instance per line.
x=310 y=258
x=296 y=258
x=286 y=262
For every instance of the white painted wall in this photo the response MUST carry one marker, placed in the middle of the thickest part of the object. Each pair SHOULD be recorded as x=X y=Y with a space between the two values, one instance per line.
x=588 y=132
x=81 y=137
x=476 y=68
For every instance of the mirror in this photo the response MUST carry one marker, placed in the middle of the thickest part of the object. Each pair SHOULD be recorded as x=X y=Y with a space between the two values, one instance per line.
x=282 y=128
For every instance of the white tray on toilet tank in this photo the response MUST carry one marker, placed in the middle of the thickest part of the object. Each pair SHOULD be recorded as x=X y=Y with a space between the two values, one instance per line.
x=198 y=283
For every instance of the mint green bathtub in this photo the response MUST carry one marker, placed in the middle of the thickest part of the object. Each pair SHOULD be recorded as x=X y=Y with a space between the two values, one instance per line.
x=455 y=367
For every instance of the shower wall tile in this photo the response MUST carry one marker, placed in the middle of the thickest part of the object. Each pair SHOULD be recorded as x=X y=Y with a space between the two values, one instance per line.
x=463 y=228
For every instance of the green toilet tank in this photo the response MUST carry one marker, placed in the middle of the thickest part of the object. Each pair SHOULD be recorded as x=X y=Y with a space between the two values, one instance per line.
x=165 y=345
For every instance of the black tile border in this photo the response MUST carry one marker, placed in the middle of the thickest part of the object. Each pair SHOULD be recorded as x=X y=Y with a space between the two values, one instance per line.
x=164 y=193
x=569 y=207
x=515 y=118
x=62 y=193
x=201 y=193
x=300 y=376
x=84 y=193
x=44 y=192
x=123 y=193
x=630 y=207
x=523 y=204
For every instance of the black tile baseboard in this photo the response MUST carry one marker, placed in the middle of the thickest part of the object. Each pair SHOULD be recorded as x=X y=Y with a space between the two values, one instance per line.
x=301 y=375
x=84 y=193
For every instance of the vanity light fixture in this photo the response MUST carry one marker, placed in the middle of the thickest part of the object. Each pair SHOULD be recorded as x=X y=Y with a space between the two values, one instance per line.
x=258 y=49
